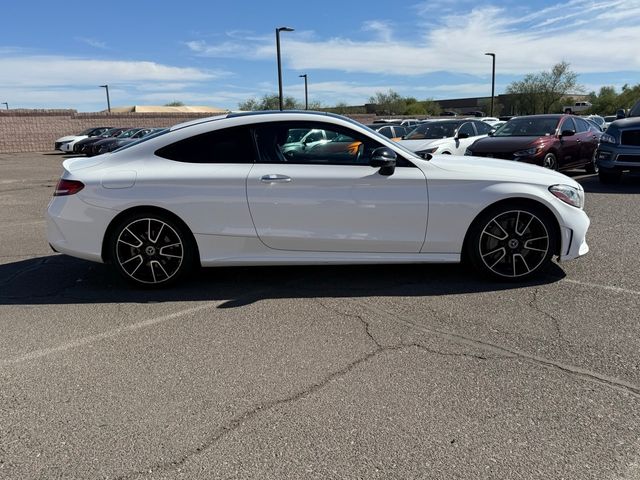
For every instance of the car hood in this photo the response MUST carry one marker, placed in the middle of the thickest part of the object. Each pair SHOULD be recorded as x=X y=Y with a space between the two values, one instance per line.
x=417 y=145
x=70 y=138
x=504 y=144
x=483 y=168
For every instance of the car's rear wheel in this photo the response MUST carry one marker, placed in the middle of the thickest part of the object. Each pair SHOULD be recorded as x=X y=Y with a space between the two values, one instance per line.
x=512 y=242
x=151 y=249
x=550 y=161
x=608 y=175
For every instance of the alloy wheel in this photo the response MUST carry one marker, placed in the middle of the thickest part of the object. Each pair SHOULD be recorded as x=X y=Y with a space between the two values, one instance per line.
x=149 y=251
x=514 y=244
x=550 y=162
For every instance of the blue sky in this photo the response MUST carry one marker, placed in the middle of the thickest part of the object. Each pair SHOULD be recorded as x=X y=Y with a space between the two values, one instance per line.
x=55 y=54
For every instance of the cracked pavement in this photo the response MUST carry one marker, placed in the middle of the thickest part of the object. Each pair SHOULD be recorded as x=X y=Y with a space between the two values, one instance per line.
x=317 y=372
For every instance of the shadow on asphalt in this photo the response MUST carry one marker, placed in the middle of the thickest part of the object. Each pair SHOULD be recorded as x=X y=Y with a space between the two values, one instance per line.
x=59 y=279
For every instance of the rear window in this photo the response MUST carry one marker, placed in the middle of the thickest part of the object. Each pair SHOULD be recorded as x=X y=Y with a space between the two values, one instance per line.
x=229 y=145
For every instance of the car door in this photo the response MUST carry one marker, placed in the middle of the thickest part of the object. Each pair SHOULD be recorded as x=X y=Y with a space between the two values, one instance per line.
x=329 y=199
x=569 y=154
x=461 y=144
x=588 y=140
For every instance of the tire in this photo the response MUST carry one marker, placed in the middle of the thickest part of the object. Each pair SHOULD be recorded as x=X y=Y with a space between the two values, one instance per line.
x=550 y=161
x=592 y=166
x=151 y=250
x=512 y=242
x=609 y=176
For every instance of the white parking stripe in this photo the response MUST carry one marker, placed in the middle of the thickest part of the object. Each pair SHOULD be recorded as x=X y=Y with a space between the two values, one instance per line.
x=603 y=287
x=101 y=336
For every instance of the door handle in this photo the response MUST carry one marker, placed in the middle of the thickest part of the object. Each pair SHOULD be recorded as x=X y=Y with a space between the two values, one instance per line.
x=275 y=178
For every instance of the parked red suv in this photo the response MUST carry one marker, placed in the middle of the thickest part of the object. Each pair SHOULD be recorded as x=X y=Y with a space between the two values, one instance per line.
x=559 y=142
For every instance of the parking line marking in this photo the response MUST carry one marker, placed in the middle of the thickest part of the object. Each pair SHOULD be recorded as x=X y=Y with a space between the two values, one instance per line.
x=604 y=287
x=37 y=354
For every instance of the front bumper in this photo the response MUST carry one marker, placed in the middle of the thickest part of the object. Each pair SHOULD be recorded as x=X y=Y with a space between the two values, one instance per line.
x=618 y=157
x=573 y=235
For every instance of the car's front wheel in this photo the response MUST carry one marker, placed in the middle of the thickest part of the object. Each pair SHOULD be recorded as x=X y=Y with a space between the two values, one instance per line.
x=550 y=161
x=512 y=242
x=151 y=249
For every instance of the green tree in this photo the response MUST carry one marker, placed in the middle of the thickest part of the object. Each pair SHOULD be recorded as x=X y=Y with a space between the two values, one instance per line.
x=175 y=103
x=416 y=108
x=390 y=103
x=270 y=102
x=431 y=107
x=605 y=102
x=543 y=92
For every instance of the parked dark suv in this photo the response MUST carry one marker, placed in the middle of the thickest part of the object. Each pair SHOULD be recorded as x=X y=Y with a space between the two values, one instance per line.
x=619 y=149
x=558 y=142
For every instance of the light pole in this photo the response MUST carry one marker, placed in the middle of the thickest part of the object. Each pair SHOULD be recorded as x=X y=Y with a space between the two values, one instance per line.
x=6 y=104
x=493 y=80
x=278 y=30
x=306 y=92
x=108 y=101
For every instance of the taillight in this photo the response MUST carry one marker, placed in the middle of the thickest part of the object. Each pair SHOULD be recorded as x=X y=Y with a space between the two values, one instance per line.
x=67 y=187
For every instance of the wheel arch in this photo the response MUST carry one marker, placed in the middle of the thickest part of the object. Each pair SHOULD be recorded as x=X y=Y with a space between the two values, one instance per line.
x=105 y=253
x=511 y=202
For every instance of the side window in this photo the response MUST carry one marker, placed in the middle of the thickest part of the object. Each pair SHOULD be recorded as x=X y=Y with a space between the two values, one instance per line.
x=568 y=125
x=229 y=145
x=581 y=125
x=386 y=131
x=400 y=132
x=482 y=128
x=468 y=129
x=313 y=136
x=342 y=146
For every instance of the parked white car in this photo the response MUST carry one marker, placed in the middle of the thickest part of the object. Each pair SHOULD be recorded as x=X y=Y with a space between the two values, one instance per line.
x=66 y=143
x=448 y=137
x=490 y=120
x=220 y=191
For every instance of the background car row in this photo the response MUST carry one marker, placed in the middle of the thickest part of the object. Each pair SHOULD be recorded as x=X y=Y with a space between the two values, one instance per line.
x=98 y=140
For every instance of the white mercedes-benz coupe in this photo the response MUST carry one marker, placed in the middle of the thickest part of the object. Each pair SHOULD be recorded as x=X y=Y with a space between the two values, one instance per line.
x=241 y=189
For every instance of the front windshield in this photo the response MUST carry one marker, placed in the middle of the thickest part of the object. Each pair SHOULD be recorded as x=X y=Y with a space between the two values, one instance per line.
x=433 y=130
x=528 y=127
x=128 y=133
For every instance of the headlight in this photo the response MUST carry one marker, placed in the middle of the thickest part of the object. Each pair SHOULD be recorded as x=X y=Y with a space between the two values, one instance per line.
x=567 y=194
x=528 y=152
x=606 y=138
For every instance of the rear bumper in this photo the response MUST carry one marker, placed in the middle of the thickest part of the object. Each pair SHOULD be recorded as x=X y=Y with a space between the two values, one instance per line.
x=76 y=228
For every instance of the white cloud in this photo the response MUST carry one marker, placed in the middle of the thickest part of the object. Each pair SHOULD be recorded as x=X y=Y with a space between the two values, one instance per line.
x=524 y=41
x=60 y=71
x=92 y=42
x=43 y=81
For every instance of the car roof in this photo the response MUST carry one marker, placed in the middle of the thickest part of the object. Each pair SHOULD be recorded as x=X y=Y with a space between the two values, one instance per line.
x=254 y=114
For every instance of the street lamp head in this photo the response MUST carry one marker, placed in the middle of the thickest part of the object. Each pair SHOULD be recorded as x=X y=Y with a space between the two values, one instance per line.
x=491 y=54
x=285 y=29
x=104 y=86
x=303 y=76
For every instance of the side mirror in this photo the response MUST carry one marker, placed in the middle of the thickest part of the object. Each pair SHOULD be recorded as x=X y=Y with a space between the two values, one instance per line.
x=385 y=159
x=462 y=135
x=567 y=133
x=491 y=132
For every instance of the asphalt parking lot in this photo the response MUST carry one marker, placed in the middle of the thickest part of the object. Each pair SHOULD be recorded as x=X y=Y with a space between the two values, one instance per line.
x=317 y=372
